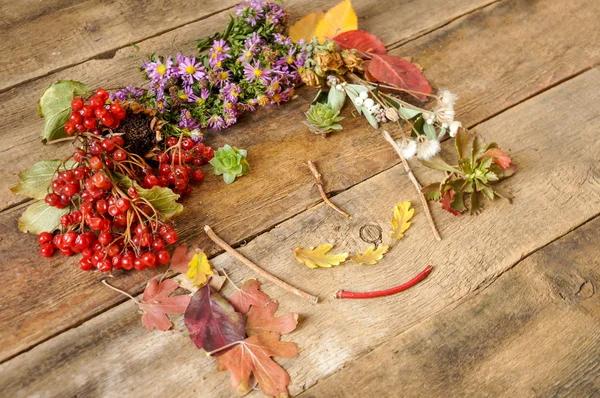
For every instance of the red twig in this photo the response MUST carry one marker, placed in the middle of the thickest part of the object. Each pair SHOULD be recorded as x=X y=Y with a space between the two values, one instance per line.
x=388 y=292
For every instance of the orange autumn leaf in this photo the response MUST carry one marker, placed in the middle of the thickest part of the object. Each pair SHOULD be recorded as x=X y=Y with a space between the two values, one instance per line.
x=156 y=303
x=263 y=319
x=253 y=356
x=249 y=295
x=338 y=19
x=304 y=29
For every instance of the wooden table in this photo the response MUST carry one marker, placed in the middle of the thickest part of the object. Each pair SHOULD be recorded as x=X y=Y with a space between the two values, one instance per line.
x=512 y=307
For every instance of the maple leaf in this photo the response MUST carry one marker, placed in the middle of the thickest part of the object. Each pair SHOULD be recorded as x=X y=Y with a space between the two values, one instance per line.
x=447 y=200
x=360 y=40
x=304 y=29
x=180 y=259
x=212 y=322
x=336 y=20
x=400 y=221
x=498 y=157
x=249 y=295
x=199 y=269
x=253 y=356
x=262 y=319
x=156 y=303
x=400 y=73
x=314 y=258
x=371 y=256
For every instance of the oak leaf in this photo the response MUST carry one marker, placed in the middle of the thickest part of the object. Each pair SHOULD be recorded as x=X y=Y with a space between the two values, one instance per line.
x=360 y=40
x=400 y=73
x=156 y=303
x=371 y=256
x=212 y=322
x=304 y=29
x=338 y=19
x=253 y=356
x=401 y=219
x=262 y=320
x=314 y=258
x=180 y=259
x=249 y=295
x=199 y=269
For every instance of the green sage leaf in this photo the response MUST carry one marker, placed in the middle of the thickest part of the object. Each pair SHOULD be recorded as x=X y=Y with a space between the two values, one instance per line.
x=336 y=99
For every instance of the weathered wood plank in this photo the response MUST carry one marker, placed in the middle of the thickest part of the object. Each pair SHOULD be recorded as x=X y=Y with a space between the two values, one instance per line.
x=334 y=332
x=534 y=332
x=270 y=195
x=41 y=37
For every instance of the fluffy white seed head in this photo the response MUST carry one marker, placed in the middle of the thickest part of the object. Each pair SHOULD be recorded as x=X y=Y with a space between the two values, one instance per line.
x=408 y=148
x=454 y=126
x=426 y=149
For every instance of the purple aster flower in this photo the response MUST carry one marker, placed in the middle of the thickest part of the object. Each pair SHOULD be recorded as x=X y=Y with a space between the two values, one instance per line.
x=253 y=41
x=186 y=121
x=232 y=92
x=159 y=70
x=275 y=14
x=216 y=122
x=222 y=78
x=282 y=39
x=220 y=46
x=254 y=72
x=189 y=69
x=187 y=91
x=200 y=100
x=229 y=119
x=129 y=92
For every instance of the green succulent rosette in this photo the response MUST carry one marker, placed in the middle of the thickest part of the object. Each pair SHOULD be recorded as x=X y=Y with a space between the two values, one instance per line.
x=230 y=162
x=323 y=118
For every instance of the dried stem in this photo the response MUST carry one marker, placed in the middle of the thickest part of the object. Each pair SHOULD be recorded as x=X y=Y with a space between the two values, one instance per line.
x=317 y=176
x=225 y=246
x=61 y=140
x=415 y=182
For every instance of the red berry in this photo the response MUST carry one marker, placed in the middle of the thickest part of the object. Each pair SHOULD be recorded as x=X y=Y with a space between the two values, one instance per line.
x=162 y=158
x=66 y=251
x=69 y=239
x=127 y=261
x=44 y=237
x=105 y=238
x=119 y=155
x=122 y=204
x=77 y=104
x=89 y=123
x=108 y=145
x=76 y=215
x=66 y=220
x=96 y=223
x=100 y=112
x=187 y=144
x=118 y=140
x=149 y=259
x=70 y=189
x=52 y=199
x=104 y=265
x=158 y=245
x=95 y=102
x=85 y=264
x=171 y=237
x=87 y=111
x=133 y=193
x=47 y=249
x=164 y=257
x=139 y=264
x=116 y=262
x=76 y=118
x=69 y=128
x=151 y=180
x=172 y=141
x=101 y=206
x=102 y=94
x=198 y=175
x=107 y=120
x=117 y=110
x=96 y=163
x=208 y=153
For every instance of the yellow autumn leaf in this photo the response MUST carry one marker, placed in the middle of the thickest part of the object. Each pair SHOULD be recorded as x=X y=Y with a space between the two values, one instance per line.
x=371 y=256
x=400 y=221
x=199 y=269
x=338 y=19
x=305 y=27
x=314 y=258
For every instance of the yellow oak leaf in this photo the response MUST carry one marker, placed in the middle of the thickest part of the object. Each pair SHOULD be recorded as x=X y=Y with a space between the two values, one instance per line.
x=314 y=258
x=305 y=27
x=400 y=221
x=338 y=19
x=199 y=270
x=371 y=256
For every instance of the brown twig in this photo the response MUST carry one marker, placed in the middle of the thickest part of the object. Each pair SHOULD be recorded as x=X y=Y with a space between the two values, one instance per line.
x=317 y=176
x=415 y=182
x=285 y=286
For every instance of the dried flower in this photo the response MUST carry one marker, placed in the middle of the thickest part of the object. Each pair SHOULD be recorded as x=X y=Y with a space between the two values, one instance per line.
x=454 y=126
x=392 y=114
x=330 y=61
x=352 y=61
x=444 y=111
x=310 y=78
x=408 y=148
x=322 y=118
x=426 y=148
x=230 y=162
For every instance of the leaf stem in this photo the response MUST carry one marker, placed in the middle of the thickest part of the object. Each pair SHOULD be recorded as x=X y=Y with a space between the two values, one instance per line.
x=226 y=346
x=342 y=294
x=416 y=183
x=319 y=181
x=120 y=291
x=285 y=286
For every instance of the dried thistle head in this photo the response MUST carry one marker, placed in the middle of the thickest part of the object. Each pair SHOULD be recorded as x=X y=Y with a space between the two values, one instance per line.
x=352 y=61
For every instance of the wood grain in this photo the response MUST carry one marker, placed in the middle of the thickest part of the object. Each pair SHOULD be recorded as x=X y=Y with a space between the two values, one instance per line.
x=548 y=205
x=533 y=332
x=267 y=196
x=40 y=40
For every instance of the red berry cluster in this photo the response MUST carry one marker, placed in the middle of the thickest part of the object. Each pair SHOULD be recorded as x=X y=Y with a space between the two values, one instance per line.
x=178 y=165
x=90 y=115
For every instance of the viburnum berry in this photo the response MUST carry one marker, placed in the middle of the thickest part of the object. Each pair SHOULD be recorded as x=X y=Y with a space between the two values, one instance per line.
x=44 y=237
x=95 y=102
x=77 y=104
x=47 y=249
x=102 y=94
x=70 y=128
x=172 y=141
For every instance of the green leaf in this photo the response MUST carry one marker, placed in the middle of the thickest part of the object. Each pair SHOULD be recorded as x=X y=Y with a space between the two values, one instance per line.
x=475 y=204
x=55 y=107
x=462 y=141
x=477 y=148
x=336 y=99
x=437 y=163
x=432 y=191
x=35 y=181
x=370 y=118
x=458 y=203
x=164 y=200
x=430 y=131
x=409 y=113
x=501 y=192
x=39 y=217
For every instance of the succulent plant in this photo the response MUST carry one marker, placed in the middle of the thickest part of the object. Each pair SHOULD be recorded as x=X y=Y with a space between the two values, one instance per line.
x=323 y=118
x=230 y=162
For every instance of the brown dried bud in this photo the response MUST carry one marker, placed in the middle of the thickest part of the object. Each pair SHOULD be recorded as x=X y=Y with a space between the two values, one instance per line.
x=391 y=114
x=310 y=78
x=352 y=61
x=330 y=61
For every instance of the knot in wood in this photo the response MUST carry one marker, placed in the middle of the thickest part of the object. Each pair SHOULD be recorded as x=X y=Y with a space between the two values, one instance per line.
x=371 y=233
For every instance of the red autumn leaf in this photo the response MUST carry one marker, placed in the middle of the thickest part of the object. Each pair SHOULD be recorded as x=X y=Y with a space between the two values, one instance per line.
x=446 y=202
x=360 y=40
x=253 y=356
x=262 y=319
x=156 y=304
x=498 y=157
x=400 y=73
x=249 y=295
x=180 y=259
x=212 y=322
